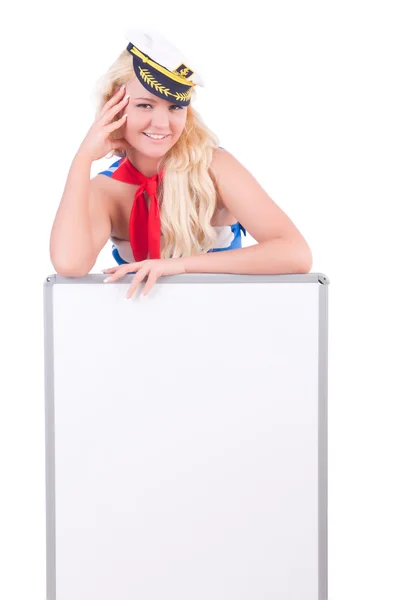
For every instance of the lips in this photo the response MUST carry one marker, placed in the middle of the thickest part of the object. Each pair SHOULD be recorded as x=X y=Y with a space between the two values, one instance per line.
x=159 y=140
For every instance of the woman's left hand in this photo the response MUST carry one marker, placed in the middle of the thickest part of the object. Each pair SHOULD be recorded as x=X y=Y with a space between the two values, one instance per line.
x=155 y=268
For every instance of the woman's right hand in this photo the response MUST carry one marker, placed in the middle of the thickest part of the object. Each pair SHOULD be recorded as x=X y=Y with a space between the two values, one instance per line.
x=97 y=142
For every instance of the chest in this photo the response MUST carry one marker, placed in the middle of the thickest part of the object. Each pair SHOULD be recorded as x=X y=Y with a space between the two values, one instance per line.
x=121 y=206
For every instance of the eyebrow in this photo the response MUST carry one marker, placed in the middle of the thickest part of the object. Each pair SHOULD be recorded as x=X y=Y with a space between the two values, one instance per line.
x=150 y=99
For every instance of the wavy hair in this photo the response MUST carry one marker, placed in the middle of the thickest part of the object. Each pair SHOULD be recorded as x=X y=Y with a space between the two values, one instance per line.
x=187 y=193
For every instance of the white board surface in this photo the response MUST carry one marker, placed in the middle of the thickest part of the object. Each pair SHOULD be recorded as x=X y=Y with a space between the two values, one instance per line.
x=186 y=438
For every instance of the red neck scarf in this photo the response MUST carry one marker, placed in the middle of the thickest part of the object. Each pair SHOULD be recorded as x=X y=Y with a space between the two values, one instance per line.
x=144 y=226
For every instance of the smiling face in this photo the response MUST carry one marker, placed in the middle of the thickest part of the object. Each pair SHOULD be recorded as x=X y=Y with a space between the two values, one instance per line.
x=148 y=113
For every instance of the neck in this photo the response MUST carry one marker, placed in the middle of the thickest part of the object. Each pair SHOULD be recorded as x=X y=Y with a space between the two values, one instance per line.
x=144 y=164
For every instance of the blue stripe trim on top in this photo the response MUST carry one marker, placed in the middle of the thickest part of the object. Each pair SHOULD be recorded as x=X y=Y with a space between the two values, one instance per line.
x=237 y=228
x=110 y=170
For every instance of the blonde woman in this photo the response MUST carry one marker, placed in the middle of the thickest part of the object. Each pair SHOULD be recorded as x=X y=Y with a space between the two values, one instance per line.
x=174 y=200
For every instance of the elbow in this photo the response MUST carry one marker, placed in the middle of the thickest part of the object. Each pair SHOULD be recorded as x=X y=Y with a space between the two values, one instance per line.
x=67 y=270
x=305 y=268
x=71 y=272
x=306 y=262
x=302 y=257
x=71 y=266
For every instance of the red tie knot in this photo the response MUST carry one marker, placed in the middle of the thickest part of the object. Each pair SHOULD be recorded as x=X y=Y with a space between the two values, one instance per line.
x=151 y=187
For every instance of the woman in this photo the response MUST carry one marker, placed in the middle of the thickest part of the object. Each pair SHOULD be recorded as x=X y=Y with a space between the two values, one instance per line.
x=173 y=198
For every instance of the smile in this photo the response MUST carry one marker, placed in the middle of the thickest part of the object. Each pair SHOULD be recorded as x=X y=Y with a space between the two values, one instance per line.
x=155 y=137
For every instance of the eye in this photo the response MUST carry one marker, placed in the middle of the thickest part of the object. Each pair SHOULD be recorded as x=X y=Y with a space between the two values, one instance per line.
x=173 y=106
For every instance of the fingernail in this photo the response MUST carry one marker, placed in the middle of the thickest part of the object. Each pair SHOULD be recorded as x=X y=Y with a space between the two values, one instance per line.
x=106 y=280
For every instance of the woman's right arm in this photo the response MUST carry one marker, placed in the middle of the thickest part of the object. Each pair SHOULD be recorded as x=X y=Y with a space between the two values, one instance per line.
x=82 y=223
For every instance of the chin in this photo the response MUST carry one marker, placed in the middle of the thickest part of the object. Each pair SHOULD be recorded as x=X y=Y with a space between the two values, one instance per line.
x=160 y=148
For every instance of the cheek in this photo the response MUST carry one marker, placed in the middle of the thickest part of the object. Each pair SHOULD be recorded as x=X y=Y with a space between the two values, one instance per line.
x=133 y=123
x=181 y=124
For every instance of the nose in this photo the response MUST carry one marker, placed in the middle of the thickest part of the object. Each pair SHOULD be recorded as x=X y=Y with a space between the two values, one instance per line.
x=160 y=118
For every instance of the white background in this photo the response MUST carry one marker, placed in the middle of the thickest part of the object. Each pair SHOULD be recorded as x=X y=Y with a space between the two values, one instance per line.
x=304 y=95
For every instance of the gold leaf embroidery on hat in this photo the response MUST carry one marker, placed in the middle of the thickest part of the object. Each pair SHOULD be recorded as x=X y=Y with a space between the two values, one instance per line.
x=149 y=78
x=183 y=95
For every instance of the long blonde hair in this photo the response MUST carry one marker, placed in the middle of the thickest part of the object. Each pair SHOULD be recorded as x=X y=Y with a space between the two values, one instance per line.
x=187 y=193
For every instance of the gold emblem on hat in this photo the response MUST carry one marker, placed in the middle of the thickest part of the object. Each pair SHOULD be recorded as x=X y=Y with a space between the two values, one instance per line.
x=184 y=71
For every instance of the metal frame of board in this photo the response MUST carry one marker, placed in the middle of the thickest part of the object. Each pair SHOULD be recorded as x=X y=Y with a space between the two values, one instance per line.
x=192 y=278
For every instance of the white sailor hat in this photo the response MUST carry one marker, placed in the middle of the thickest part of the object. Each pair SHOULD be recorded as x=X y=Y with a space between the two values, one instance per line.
x=160 y=66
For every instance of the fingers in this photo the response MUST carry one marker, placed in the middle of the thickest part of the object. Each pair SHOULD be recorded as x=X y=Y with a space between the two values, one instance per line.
x=143 y=271
x=141 y=274
x=116 y=109
x=153 y=276
x=116 y=124
x=108 y=117
x=113 y=100
x=118 y=272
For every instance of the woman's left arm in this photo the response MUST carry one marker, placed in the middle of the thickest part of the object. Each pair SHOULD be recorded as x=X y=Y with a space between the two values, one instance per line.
x=281 y=248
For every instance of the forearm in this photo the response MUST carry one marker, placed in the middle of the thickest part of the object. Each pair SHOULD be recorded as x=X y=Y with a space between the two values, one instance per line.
x=71 y=247
x=275 y=256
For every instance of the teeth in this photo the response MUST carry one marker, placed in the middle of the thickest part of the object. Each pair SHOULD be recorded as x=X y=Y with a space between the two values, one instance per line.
x=156 y=137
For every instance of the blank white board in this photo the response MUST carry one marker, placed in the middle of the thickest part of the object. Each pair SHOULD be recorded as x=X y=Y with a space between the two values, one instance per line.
x=186 y=438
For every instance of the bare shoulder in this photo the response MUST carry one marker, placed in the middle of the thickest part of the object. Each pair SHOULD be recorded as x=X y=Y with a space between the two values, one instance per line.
x=217 y=166
x=114 y=198
x=107 y=191
x=101 y=198
x=242 y=194
x=223 y=165
x=102 y=184
x=217 y=156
